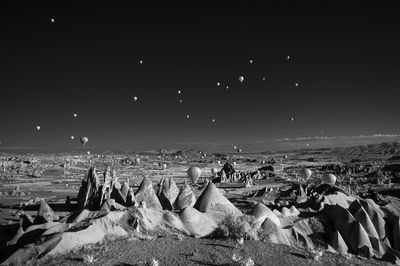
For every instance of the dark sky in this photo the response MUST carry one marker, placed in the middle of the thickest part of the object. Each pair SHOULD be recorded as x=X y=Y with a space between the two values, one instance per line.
x=345 y=58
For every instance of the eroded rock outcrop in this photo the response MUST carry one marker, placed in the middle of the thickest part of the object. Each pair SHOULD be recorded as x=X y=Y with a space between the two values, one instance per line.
x=212 y=201
x=167 y=192
x=185 y=197
x=89 y=195
x=146 y=195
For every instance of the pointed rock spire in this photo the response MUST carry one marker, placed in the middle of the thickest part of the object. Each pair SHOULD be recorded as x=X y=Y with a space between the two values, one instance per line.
x=120 y=194
x=185 y=197
x=261 y=212
x=167 y=192
x=45 y=214
x=212 y=201
x=89 y=195
x=130 y=198
x=146 y=194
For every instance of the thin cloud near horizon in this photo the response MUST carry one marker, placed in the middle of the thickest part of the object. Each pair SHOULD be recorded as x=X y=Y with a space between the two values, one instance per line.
x=295 y=139
x=338 y=137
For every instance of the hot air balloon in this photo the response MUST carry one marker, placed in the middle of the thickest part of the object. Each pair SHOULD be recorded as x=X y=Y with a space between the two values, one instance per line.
x=137 y=160
x=187 y=116
x=329 y=179
x=241 y=78
x=140 y=61
x=214 y=171
x=72 y=137
x=287 y=57
x=52 y=20
x=296 y=84
x=194 y=173
x=37 y=128
x=305 y=173
x=164 y=166
x=75 y=115
x=227 y=87
x=218 y=83
x=291 y=119
x=213 y=120
x=251 y=61
x=84 y=140
x=180 y=101
x=264 y=78
x=179 y=92
x=135 y=98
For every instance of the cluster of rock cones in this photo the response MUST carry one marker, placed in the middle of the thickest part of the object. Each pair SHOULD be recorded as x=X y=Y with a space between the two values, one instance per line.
x=350 y=225
x=113 y=195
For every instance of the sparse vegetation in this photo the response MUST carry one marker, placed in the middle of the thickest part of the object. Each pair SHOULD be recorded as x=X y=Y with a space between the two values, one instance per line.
x=31 y=262
x=240 y=261
x=237 y=228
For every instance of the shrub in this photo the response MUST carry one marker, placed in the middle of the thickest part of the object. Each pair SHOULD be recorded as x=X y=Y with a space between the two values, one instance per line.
x=234 y=227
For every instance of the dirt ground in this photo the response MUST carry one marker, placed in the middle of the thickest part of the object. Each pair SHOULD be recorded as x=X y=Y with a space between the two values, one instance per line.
x=170 y=250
